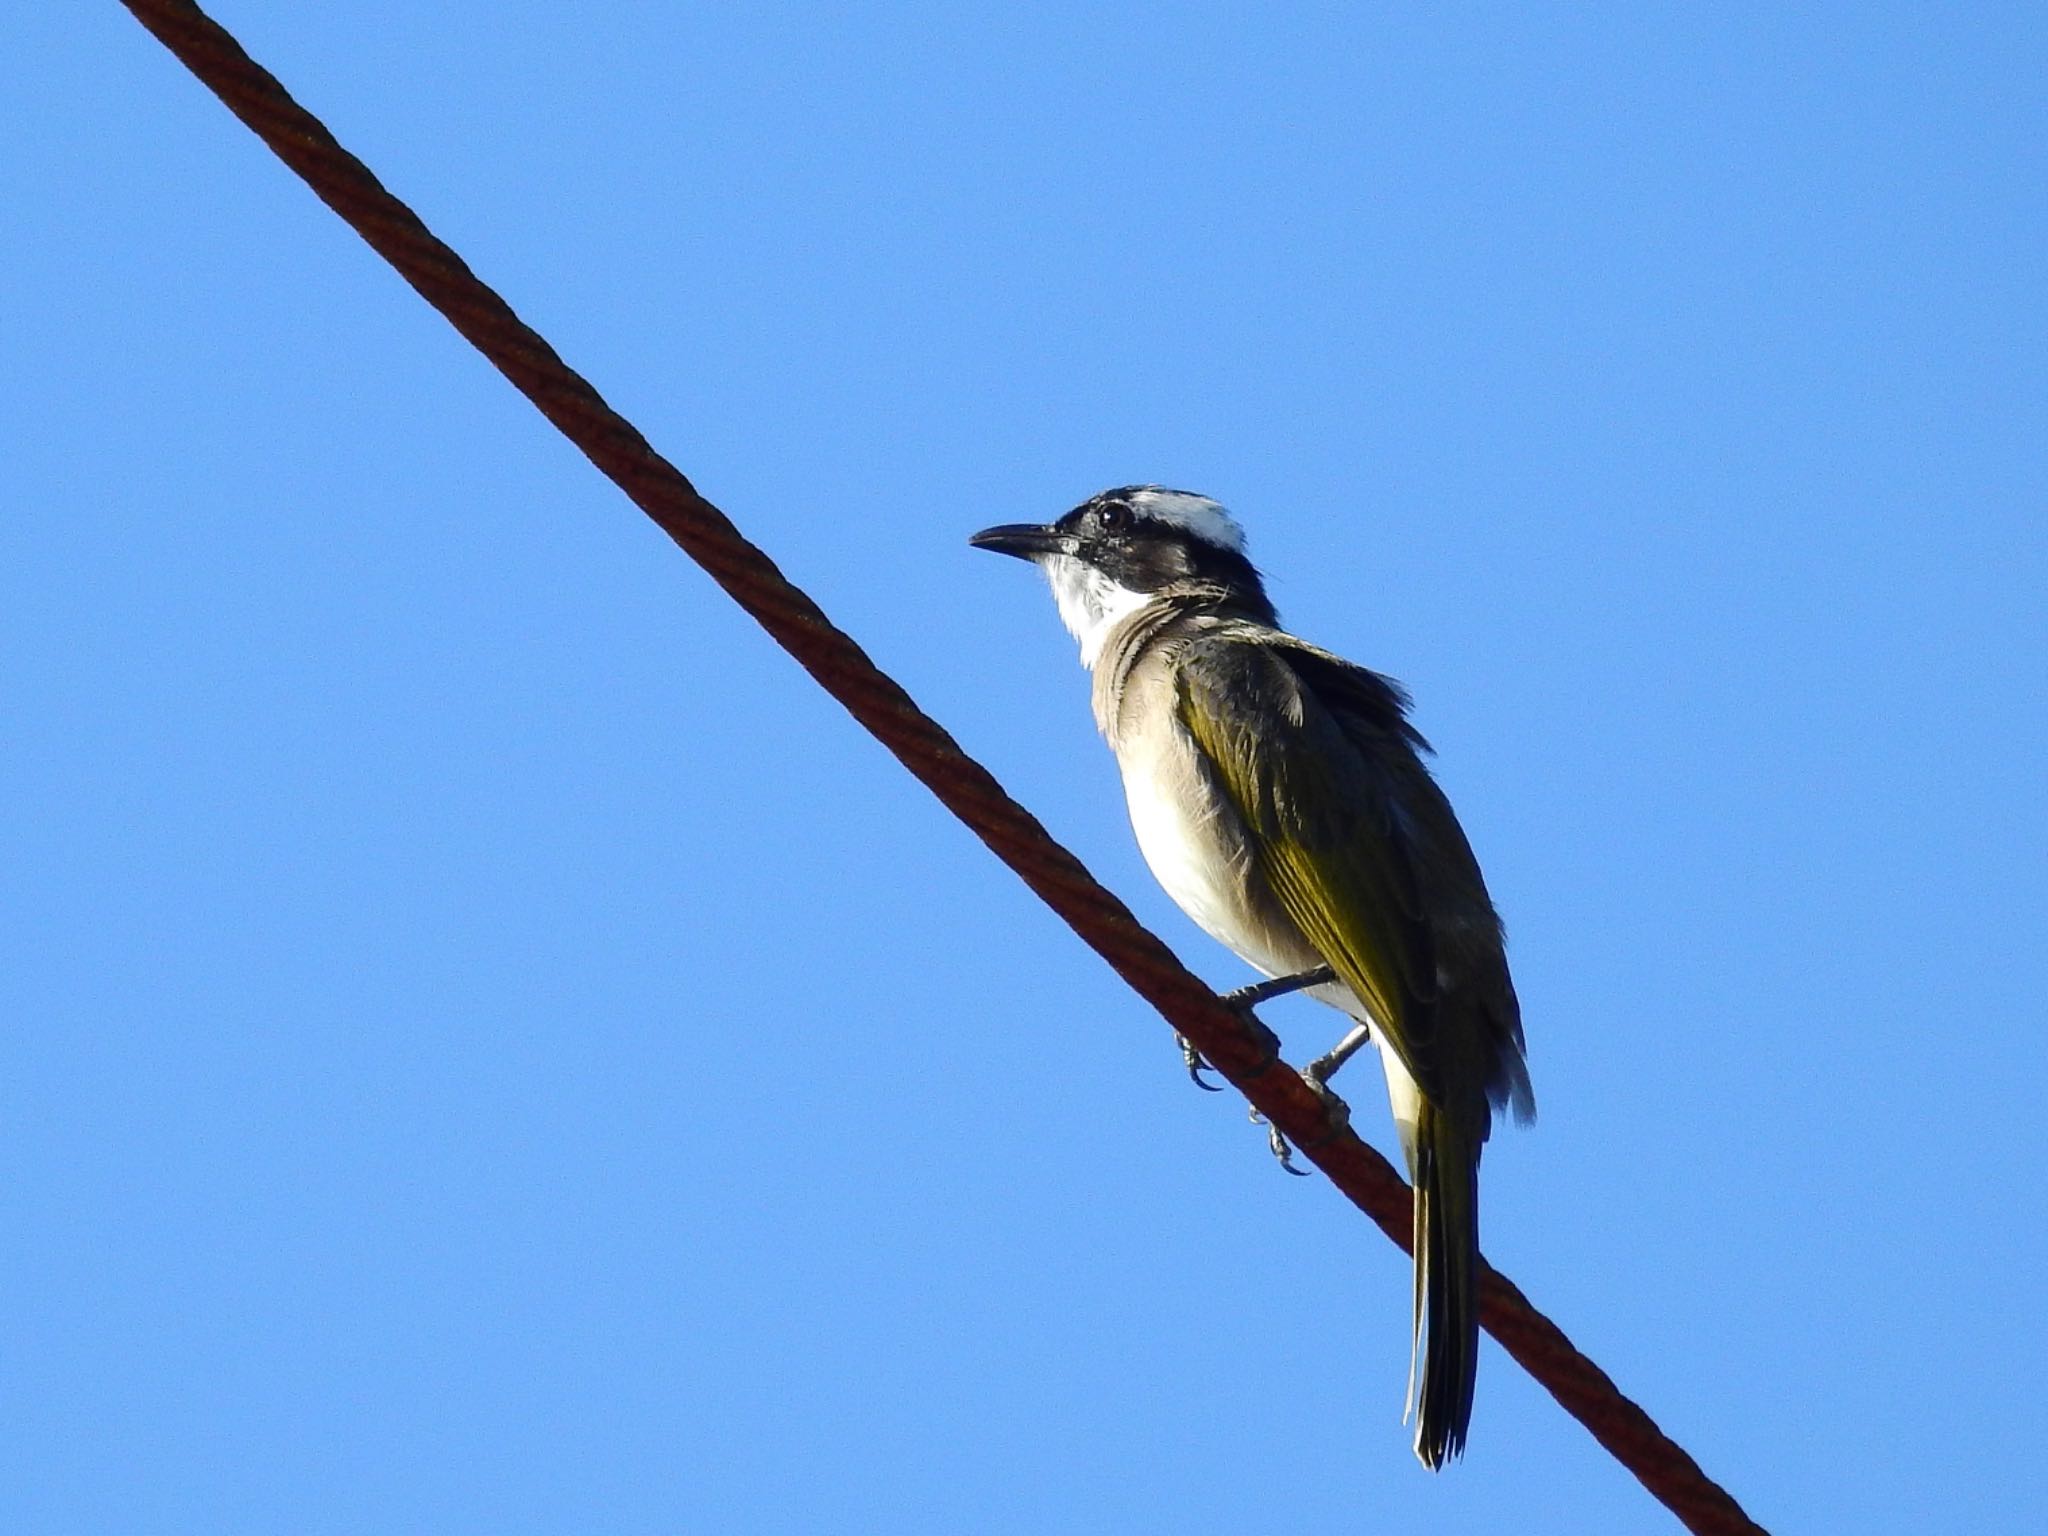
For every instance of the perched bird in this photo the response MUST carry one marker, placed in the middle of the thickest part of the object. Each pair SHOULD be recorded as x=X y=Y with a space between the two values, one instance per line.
x=1278 y=793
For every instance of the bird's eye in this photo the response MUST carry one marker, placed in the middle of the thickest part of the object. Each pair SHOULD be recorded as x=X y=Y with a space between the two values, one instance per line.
x=1115 y=516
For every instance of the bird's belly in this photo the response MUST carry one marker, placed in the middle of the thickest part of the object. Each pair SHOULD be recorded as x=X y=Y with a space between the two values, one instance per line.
x=1199 y=851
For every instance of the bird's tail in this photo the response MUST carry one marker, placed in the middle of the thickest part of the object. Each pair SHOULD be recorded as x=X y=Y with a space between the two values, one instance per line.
x=1446 y=1344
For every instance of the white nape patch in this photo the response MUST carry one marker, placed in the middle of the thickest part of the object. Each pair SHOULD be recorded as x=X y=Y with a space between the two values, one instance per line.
x=1090 y=603
x=1200 y=516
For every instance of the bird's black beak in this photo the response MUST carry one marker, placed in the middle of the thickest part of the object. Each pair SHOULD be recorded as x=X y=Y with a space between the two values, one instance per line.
x=1027 y=541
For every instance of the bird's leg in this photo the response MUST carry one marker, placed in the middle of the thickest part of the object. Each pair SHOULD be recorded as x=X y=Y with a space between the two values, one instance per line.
x=1324 y=1067
x=1317 y=1075
x=1243 y=1000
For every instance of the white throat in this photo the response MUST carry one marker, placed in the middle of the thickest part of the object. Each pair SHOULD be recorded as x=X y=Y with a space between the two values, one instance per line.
x=1090 y=604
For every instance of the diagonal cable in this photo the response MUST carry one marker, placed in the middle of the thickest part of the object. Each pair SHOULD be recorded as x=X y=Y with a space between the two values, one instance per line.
x=961 y=784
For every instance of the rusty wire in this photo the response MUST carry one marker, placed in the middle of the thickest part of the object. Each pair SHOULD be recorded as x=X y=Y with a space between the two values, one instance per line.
x=961 y=784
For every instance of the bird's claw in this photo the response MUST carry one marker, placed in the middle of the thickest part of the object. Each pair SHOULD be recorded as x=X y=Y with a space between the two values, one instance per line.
x=1336 y=1111
x=1241 y=1002
x=1192 y=1060
x=1197 y=1064
x=1279 y=1145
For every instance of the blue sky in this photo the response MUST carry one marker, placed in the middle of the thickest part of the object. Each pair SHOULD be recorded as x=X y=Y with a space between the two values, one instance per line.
x=493 y=1048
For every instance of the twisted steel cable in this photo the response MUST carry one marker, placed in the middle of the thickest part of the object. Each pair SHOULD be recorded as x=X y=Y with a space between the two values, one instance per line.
x=961 y=784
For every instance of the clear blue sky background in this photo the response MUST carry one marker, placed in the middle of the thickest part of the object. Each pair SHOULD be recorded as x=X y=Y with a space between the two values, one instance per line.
x=490 y=1047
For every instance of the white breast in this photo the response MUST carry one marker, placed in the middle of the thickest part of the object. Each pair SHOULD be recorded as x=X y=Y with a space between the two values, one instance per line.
x=1197 y=847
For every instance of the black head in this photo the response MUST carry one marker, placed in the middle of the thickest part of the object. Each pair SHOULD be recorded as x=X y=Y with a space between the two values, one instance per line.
x=1142 y=538
x=1118 y=551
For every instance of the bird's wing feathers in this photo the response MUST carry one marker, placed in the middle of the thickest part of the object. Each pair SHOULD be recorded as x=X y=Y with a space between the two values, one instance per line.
x=1320 y=772
x=1362 y=851
x=1373 y=711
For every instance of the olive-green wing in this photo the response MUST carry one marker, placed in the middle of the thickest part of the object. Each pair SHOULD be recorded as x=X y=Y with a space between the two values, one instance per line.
x=1476 y=1001
x=1323 y=794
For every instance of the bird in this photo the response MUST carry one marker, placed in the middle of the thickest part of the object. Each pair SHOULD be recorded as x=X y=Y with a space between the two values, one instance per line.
x=1280 y=796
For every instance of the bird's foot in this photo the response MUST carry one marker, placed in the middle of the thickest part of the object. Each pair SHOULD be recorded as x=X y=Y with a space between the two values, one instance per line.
x=1192 y=1060
x=1317 y=1077
x=1196 y=1063
x=1336 y=1114
x=1241 y=1002
x=1279 y=1145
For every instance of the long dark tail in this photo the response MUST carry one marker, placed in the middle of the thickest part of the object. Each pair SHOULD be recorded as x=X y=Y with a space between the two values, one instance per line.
x=1446 y=1285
